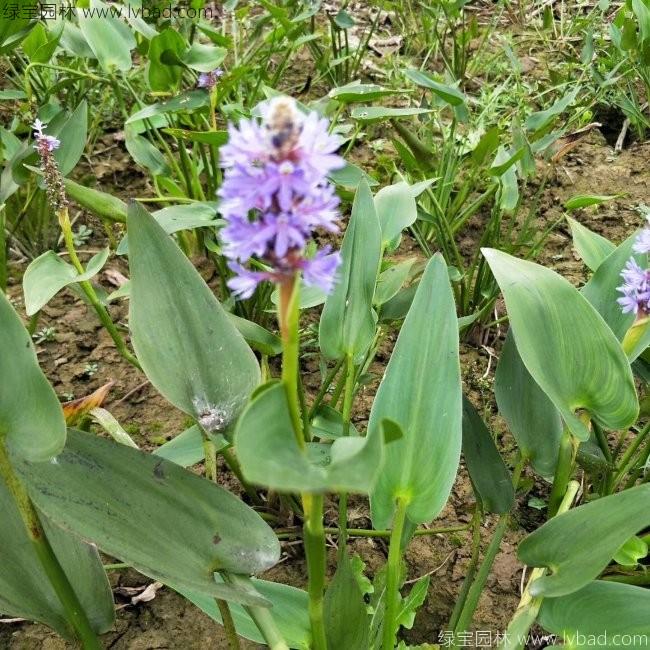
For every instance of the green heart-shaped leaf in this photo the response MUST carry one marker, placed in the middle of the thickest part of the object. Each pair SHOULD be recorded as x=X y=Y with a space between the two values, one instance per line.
x=565 y=345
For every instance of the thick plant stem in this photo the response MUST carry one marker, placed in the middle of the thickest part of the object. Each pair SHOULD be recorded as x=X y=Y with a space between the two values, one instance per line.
x=470 y=571
x=348 y=397
x=55 y=573
x=529 y=605
x=288 y=317
x=565 y=463
x=228 y=624
x=314 y=540
x=262 y=616
x=89 y=291
x=462 y=616
x=393 y=575
x=312 y=504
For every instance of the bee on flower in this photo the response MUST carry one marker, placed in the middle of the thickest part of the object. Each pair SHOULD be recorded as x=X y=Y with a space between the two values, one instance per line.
x=276 y=194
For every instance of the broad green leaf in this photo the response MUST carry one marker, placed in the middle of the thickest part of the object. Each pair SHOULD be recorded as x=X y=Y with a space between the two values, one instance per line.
x=72 y=134
x=15 y=24
x=592 y=247
x=409 y=606
x=99 y=203
x=215 y=138
x=186 y=216
x=580 y=543
x=542 y=119
x=162 y=74
x=585 y=200
x=490 y=477
x=351 y=630
x=486 y=146
x=421 y=392
x=565 y=345
x=144 y=153
x=269 y=454
x=185 y=102
x=186 y=449
x=601 y=292
x=358 y=92
x=204 y=58
x=40 y=44
x=26 y=591
x=48 y=274
x=509 y=194
x=601 y=614
x=392 y=280
x=289 y=612
x=109 y=38
x=256 y=336
x=631 y=552
x=449 y=94
x=371 y=114
x=396 y=209
x=187 y=345
x=531 y=417
x=347 y=324
x=163 y=520
x=351 y=176
x=31 y=418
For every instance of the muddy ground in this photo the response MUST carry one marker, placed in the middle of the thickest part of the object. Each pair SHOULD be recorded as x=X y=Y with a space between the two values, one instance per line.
x=80 y=357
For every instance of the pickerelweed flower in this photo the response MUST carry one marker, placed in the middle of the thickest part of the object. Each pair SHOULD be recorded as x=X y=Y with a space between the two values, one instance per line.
x=45 y=145
x=636 y=280
x=275 y=194
x=208 y=80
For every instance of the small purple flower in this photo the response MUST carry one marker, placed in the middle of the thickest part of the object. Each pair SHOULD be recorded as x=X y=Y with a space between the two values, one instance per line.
x=44 y=142
x=642 y=244
x=208 y=80
x=320 y=270
x=635 y=290
x=275 y=194
x=244 y=282
x=54 y=184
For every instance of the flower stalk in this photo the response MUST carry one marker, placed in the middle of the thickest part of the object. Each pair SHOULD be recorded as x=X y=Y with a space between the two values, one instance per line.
x=55 y=188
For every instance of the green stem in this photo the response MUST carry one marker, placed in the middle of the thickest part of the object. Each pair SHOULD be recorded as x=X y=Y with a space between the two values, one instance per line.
x=470 y=572
x=367 y=532
x=261 y=616
x=58 y=579
x=529 y=605
x=393 y=575
x=314 y=541
x=228 y=624
x=348 y=397
x=627 y=460
x=327 y=382
x=563 y=470
x=288 y=317
x=90 y=293
x=468 y=607
x=312 y=504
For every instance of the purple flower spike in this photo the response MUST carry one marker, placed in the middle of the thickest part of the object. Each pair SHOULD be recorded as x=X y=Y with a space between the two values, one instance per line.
x=208 y=80
x=54 y=184
x=275 y=194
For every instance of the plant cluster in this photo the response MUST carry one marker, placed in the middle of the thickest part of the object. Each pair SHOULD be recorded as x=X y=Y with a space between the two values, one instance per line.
x=253 y=173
